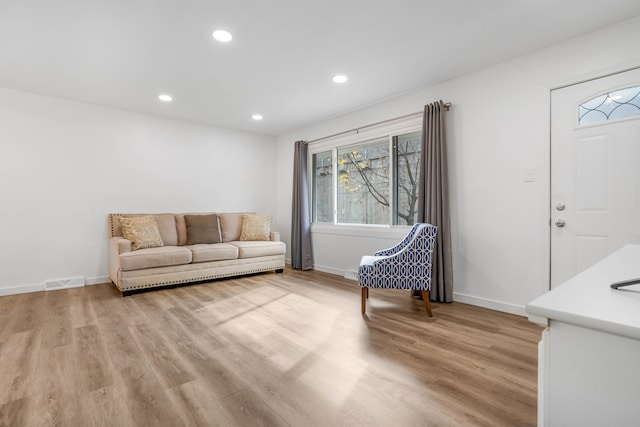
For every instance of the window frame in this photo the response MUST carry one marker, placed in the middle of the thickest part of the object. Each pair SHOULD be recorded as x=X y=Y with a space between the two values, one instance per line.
x=355 y=138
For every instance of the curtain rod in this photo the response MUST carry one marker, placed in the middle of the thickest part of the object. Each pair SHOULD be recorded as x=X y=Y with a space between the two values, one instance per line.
x=447 y=105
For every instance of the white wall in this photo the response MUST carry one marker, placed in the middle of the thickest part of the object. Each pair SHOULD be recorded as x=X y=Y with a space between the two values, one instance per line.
x=498 y=126
x=65 y=165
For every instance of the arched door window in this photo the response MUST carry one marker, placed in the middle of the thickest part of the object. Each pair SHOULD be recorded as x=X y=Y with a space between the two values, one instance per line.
x=610 y=106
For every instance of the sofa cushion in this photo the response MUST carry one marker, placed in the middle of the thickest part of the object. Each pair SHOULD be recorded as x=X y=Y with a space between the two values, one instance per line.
x=255 y=227
x=202 y=229
x=142 y=231
x=155 y=257
x=212 y=252
x=252 y=249
x=231 y=225
x=167 y=226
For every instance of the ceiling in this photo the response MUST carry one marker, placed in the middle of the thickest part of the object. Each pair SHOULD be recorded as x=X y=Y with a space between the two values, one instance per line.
x=124 y=53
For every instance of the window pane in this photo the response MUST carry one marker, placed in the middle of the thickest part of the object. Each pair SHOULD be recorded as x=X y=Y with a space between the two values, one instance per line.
x=610 y=106
x=407 y=161
x=322 y=187
x=363 y=183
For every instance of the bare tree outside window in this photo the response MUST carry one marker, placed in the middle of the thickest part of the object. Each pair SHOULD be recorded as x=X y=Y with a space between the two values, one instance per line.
x=407 y=156
x=322 y=206
x=363 y=183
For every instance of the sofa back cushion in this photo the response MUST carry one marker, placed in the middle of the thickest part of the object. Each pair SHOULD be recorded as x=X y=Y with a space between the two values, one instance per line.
x=231 y=225
x=202 y=229
x=166 y=225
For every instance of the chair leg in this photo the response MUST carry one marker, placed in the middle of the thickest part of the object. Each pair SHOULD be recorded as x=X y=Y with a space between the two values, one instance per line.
x=365 y=294
x=425 y=299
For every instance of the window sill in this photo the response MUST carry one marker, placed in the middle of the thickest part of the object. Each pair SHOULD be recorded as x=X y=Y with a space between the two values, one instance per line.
x=375 y=231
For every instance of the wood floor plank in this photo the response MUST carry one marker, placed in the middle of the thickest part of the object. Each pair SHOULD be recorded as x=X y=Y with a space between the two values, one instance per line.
x=93 y=367
x=81 y=307
x=169 y=366
x=146 y=400
x=31 y=314
x=198 y=406
x=286 y=349
x=19 y=361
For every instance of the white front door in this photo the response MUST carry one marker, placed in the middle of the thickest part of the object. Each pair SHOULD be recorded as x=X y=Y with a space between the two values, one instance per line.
x=595 y=172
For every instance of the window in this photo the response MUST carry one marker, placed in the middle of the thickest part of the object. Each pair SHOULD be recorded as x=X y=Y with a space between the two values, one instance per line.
x=610 y=106
x=375 y=181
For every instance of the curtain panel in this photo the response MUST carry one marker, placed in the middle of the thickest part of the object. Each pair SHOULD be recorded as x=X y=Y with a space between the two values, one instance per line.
x=433 y=198
x=301 y=254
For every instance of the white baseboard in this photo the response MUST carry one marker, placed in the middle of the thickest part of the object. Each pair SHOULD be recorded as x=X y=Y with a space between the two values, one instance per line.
x=38 y=287
x=24 y=289
x=329 y=270
x=491 y=304
x=466 y=299
x=97 y=280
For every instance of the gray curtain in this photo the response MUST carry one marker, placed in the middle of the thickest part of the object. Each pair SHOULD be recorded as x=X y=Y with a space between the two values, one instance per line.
x=301 y=255
x=433 y=198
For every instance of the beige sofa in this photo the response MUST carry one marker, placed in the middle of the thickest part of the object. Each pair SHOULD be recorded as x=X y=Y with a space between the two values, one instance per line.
x=175 y=261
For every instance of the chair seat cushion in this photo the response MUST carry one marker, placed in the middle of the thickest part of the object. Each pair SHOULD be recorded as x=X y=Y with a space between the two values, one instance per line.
x=163 y=256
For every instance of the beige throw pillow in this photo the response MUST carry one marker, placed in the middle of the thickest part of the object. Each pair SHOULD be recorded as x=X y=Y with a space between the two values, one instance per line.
x=142 y=231
x=202 y=229
x=256 y=227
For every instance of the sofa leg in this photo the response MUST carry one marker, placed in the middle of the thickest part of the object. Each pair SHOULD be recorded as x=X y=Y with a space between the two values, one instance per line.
x=427 y=305
x=280 y=270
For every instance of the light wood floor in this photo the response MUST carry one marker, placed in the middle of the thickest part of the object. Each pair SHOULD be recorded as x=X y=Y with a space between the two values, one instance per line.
x=286 y=349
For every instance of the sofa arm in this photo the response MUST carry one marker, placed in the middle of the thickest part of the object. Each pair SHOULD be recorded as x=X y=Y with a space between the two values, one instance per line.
x=275 y=236
x=117 y=246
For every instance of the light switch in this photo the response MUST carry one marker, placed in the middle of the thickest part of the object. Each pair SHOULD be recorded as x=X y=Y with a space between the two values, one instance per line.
x=529 y=175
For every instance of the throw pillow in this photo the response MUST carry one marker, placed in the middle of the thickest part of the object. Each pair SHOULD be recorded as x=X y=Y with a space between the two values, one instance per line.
x=256 y=227
x=142 y=231
x=202 y=229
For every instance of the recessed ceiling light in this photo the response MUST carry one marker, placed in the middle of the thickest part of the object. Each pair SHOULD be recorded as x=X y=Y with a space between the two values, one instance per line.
x=165 y=97
x=222 y=35
x=340 y=78
x=256 y=117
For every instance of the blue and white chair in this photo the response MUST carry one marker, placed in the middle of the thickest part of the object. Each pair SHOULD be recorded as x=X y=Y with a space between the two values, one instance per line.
x=404 y=266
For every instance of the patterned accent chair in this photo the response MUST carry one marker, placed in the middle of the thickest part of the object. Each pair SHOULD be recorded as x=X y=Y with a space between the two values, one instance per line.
x=404 y=266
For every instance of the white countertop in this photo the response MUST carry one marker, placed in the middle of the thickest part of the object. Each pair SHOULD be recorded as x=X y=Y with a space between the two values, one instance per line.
x=587 y=299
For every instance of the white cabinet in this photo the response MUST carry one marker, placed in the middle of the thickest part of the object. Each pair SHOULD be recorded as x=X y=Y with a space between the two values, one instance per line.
x=589 y=357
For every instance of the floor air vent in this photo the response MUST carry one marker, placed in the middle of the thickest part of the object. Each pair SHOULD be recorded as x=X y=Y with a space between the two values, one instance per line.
x=73 y=282
x=351 y=274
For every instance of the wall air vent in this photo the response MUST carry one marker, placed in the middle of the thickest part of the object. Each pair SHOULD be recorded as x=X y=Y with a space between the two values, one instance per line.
x=73 y=282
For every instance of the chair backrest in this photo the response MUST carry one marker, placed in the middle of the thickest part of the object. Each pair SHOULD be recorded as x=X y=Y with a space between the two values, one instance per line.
x=397 y=248
x=409 y=268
